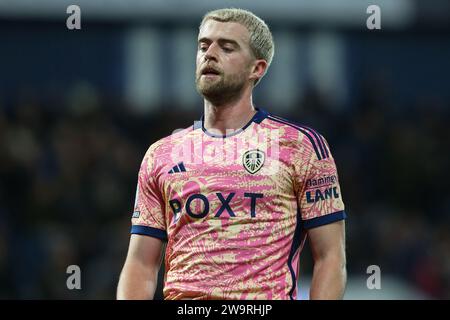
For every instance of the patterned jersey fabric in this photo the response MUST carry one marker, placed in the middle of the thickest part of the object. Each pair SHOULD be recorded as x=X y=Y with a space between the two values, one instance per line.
x=234 y=209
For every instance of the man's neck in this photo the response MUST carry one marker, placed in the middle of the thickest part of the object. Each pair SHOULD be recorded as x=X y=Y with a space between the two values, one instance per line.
x=225 y=119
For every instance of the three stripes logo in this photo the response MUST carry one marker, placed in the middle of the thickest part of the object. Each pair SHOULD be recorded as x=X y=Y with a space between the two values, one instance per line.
x=178 y=168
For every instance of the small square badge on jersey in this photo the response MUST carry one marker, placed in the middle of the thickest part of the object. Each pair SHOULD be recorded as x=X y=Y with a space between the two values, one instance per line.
x=136 y=214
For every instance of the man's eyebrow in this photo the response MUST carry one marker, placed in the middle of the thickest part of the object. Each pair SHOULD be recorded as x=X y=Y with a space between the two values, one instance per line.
x=204 y=39
x=220 y=40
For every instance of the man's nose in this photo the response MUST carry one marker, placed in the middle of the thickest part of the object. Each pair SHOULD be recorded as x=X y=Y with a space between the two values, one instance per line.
x=211 y=53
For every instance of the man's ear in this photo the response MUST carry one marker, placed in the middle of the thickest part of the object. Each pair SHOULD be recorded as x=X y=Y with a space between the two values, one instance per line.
x=258 y=70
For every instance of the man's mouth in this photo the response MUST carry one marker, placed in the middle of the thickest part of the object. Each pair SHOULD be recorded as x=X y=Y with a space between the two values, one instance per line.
x=210 y=72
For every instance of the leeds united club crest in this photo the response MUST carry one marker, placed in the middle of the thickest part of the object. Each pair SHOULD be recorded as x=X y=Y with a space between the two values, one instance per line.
x=253 y=160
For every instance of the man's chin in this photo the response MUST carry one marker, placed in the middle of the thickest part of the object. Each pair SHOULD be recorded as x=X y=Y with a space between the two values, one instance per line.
x=209 y=89
x=217 y=91
x=210 y=92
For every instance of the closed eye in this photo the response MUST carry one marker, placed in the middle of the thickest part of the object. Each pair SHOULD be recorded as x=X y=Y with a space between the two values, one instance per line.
x=203 y=47
x=227 y=49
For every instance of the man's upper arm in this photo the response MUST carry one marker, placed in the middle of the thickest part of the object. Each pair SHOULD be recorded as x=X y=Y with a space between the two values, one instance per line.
x=145 y=250
x=328 y=240
x=138 y=279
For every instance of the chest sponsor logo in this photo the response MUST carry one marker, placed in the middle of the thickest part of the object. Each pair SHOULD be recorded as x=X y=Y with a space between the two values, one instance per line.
x=225 y=209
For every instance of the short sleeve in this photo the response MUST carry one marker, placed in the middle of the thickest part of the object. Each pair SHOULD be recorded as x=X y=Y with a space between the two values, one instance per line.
x=319 y=193
x=148 y=215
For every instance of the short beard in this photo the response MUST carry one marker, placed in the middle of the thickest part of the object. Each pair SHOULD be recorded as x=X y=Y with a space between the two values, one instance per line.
x=223 y=91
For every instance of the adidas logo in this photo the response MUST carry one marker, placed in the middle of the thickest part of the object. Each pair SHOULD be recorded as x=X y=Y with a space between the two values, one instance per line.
x=178 y=168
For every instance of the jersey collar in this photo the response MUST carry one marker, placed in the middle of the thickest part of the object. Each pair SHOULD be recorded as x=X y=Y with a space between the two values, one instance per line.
x=259 y=116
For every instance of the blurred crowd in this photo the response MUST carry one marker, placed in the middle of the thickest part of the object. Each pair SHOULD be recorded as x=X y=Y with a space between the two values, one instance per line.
x=68 y=173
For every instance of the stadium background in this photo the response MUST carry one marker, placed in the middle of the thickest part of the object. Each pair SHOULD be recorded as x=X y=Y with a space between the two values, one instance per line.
x=79 y=108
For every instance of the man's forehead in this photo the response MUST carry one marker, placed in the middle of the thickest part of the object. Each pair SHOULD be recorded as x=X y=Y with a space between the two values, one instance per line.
x=213 y=30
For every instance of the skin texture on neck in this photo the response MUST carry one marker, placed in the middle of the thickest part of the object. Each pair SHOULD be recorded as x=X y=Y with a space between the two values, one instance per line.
x=230 y=116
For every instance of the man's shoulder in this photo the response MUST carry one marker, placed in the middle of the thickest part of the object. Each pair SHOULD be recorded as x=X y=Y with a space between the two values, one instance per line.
x=167 y=142
x=291 y=125
x=300 y=135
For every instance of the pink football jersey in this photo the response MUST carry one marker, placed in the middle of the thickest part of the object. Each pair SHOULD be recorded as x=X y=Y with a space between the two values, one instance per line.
x=234 y=209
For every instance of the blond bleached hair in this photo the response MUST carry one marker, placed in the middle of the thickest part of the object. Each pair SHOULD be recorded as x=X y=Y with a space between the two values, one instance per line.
x=261 y=40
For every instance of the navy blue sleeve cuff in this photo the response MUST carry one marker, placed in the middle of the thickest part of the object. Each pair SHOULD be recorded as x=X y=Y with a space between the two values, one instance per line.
x=323 y=220
x=149 y=231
